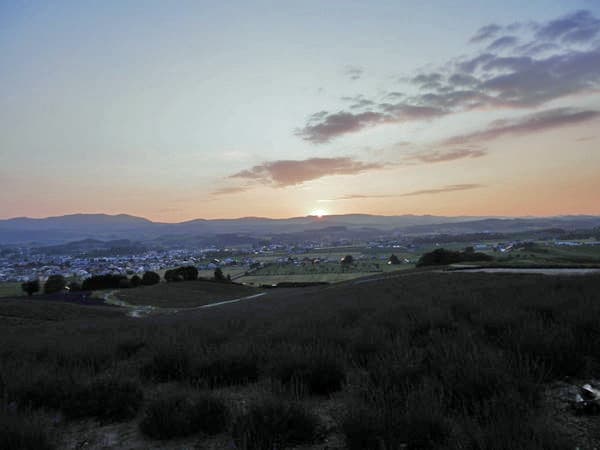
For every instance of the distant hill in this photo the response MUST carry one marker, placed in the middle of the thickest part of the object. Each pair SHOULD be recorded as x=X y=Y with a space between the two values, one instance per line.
x=508 y=225
x=80 y=227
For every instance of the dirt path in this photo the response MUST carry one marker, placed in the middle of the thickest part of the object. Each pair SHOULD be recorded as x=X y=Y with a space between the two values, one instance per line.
x=138 y=311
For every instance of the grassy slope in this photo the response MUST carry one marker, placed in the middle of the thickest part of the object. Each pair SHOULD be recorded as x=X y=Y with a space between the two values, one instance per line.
x=23 y=310
x=184 y=294
x=433 y=360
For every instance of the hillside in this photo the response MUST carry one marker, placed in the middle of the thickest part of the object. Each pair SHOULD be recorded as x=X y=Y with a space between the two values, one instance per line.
x=419 y=359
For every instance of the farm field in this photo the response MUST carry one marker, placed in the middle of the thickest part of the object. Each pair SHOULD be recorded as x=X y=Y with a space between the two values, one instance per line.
x=551 y=255
x=11 y=290
x=414 y=359
x=282 y=275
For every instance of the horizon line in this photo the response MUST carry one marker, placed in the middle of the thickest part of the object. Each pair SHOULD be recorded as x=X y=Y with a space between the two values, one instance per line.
x=466 y=216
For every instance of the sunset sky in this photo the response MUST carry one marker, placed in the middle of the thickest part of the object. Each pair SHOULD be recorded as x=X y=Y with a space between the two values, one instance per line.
x=181 y=110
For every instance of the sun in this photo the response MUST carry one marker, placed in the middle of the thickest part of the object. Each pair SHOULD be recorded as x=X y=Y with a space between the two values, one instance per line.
x=318 y=213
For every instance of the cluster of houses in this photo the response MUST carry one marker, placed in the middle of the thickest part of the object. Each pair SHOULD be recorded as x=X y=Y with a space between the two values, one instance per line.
x=20 y=267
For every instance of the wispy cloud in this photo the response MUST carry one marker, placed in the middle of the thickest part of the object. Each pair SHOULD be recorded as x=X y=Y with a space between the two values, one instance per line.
x=435 y=156
x=485 y=33
x=580 y=26
x=585 y=138
x=328 y=126
x=364 y=196
x=353 y=72
x=230 y=190
x=521 y=66
x=443 y=190
x=284 y=173
x=539 y=121
x=502 y=43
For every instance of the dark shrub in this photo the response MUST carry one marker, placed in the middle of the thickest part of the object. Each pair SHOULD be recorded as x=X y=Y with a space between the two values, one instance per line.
x=275 y=424
x=49 y=392
x=94 y=358
x=218 y=275
x=135 y=281
x=226 y=371
x=410 y=417
x=150 y=278
x=362 y=430
x=211 y=415
x=321 y=375
x=98 y=282
x=186 y=273
x=124 y=283
x=107 y=400
x=18 y=432
x=441 y=256
x=168 y=418
x=31 y=287
x=179 y=416
x=425 y=429
x=54 y=283
x=167 y=365
x=127 y=349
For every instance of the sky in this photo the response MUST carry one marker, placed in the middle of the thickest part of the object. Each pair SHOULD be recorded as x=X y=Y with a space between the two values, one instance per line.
x=182 y=110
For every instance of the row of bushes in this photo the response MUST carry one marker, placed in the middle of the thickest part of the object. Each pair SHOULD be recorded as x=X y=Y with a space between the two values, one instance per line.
x=315 y=376
x=23 y=432
x=54 y=283
x=57 y=283
x=268 y=424
x=107 y=400
x=441 y=256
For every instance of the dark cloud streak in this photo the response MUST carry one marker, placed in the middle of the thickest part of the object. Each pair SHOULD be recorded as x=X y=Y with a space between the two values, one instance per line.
x=443 y=190
x=540 y=121
x=284 y=173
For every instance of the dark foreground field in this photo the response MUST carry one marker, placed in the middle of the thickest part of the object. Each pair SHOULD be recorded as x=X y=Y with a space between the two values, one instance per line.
x=415 y=361
x=185 y=294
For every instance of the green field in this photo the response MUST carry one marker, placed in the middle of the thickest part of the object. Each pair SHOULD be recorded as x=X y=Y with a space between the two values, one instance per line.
x=547 y=255
x=329 y=273
x=11 y=290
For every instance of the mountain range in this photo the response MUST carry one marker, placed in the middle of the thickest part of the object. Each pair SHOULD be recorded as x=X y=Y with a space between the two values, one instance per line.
x=61 y=229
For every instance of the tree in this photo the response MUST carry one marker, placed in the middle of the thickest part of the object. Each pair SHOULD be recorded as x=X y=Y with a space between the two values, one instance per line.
x=54 y=283
x=106 y=281
x=394 y=260
x=185 y=273
x=149 y=278
x=441 y=256
x=219 y=274
x=135 y=281
x=31 y=287
x=172 y=275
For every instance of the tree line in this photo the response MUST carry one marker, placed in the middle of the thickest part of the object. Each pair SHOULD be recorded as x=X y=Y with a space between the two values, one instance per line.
x=58 y=283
